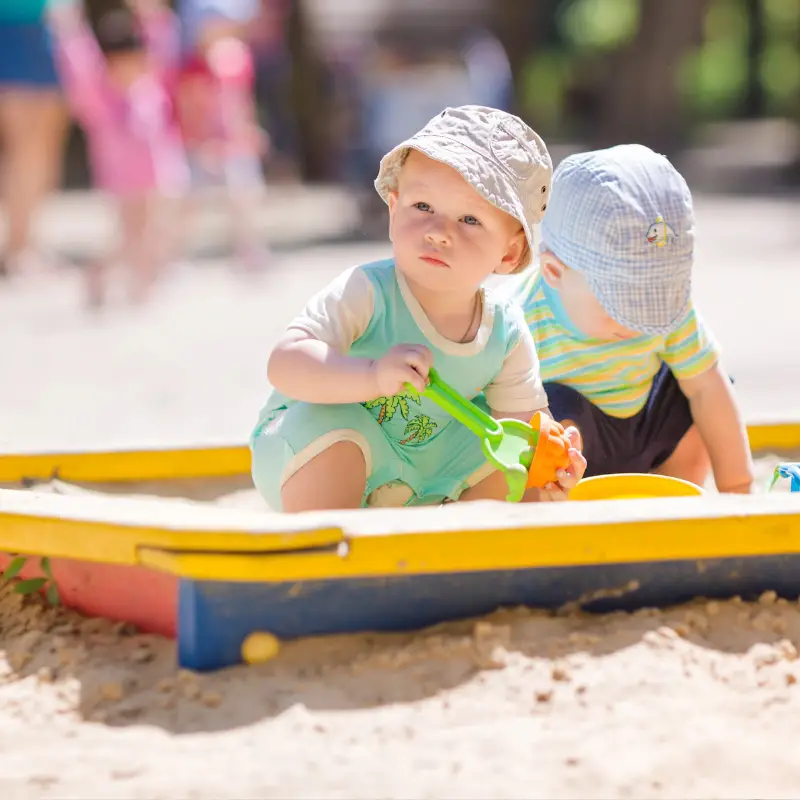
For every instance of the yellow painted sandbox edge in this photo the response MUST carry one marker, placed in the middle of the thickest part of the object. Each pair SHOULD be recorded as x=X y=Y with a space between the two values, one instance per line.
x=221 y=461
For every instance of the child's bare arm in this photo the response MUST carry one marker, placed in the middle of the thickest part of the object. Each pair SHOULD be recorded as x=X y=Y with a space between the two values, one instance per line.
x=311 y=361
x=81 y=65
x=304 y=368
x=716 y=413
x=307 y=369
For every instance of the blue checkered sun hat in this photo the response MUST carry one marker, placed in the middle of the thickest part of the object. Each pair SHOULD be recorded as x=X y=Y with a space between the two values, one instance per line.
x=623 y=218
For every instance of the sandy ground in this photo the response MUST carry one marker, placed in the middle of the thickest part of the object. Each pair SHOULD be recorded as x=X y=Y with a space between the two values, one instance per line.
x=692 y=702
x=191 y=367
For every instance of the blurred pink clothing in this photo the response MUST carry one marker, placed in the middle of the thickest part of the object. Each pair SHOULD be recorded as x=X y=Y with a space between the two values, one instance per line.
x=133 y=141
x=214 y=101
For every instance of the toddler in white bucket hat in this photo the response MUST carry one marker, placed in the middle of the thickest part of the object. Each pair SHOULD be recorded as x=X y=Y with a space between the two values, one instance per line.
x=340 y=430
x=624 y=354
x=496 y=153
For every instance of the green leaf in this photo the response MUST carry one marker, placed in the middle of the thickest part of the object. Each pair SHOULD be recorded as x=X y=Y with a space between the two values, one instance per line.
x=30 y=586
x=404 y=410
x=53 y=597
x=14 y=568
x=376 y=403
x=45 y=565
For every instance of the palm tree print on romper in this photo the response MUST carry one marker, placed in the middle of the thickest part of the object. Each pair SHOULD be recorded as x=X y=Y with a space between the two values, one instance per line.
x=419 y=428
x=390 y=405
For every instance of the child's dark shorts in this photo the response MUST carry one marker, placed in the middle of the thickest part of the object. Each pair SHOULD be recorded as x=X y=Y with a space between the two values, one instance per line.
x=640 y=443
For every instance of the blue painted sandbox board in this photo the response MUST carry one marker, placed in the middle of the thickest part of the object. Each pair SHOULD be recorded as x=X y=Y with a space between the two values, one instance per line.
x=214 y=617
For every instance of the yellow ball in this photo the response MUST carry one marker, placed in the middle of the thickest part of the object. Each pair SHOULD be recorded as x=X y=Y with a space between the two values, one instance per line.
x=259 y=647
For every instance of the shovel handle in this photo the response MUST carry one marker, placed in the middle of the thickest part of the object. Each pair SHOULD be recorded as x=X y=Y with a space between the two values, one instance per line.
x=467 y=413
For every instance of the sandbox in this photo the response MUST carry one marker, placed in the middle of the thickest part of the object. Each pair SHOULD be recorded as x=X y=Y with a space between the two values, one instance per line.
x=175 y=542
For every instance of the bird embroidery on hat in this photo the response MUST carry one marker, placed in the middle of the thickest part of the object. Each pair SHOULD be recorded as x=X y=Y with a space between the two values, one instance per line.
x=659 y=233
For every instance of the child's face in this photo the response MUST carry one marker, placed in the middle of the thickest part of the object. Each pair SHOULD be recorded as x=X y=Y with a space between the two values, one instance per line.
x=580 y=303
x=446 y=237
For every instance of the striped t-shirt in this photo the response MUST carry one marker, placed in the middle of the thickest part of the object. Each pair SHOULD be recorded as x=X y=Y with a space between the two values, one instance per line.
x=614 y=375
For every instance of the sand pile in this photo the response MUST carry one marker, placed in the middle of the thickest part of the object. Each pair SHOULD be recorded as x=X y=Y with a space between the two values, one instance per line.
x=698 y=701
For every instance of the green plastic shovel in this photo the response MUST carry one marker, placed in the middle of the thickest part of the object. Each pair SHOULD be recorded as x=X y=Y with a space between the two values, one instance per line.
x=509 y=444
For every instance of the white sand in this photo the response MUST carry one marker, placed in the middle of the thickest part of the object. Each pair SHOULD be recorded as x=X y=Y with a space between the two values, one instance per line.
x=699 y=701
x=695 y=702
x=520 y=704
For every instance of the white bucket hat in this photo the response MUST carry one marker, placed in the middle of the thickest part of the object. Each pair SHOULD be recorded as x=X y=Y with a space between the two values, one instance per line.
x=500 y=156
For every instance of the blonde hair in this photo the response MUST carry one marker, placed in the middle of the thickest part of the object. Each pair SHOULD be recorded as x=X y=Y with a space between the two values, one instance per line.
x=390 y=179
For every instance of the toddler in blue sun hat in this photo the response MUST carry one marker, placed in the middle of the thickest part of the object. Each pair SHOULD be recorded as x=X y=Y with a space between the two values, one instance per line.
x=624 y=355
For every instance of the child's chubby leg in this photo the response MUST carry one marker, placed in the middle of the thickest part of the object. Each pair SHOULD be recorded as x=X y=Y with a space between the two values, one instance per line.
x=96 y=280
x=491 y=487
x=140 y=245
x=245 y=194
x=689 y=460
x=313 y=457
x=124 y=252
x=676 y=447
x=190 y=204
x=335 y=478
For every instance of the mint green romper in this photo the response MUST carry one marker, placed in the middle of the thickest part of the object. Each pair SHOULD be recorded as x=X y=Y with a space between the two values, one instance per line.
x=405 y=439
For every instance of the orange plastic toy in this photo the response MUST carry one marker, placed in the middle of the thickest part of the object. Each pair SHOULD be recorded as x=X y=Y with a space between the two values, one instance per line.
x=551 y=452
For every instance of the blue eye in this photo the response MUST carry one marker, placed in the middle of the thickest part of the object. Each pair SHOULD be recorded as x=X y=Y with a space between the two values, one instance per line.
x=422 y=206
x=470 y=220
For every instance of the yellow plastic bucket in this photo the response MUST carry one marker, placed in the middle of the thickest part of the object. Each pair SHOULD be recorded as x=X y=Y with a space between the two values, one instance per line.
x=632 y=486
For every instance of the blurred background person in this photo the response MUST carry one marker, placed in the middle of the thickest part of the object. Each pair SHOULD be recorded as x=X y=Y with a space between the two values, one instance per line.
x=420 y=60
x=273 y=77
x=715 y=87
x=216 y=110
x=117 y=81
x=33 y=125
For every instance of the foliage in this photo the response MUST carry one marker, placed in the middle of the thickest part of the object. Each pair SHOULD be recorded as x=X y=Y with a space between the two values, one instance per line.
x=712 y=77
x=46 y=583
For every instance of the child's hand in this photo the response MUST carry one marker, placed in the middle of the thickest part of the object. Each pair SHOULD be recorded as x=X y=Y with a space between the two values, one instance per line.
x=568 y=478
x=404 y=363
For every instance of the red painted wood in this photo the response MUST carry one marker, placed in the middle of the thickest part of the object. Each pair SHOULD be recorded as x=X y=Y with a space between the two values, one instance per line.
x=147 y=599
